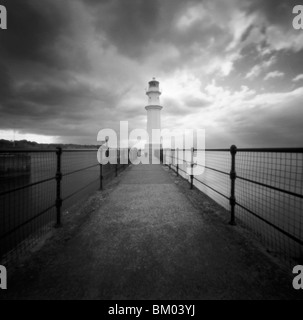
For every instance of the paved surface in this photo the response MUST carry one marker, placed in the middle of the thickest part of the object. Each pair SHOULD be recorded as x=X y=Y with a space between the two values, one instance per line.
x=150 y=240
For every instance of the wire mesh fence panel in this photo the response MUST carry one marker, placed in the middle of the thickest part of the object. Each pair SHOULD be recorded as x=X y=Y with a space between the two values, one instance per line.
x=180 y=158
x=81 y=172
x=27 y=199
x=215 y=180
x=116 y=162
x=269 y=198
x=29 y=181
x=268 y=190
x=80 y=176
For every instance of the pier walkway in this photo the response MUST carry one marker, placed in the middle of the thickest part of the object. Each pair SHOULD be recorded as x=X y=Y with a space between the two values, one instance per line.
x=152 y=238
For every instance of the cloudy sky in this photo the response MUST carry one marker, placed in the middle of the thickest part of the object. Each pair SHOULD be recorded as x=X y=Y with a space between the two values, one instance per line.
x=69 y=68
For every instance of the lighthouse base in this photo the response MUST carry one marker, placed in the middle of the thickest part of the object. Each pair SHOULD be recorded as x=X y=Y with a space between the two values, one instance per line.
x=154 y=153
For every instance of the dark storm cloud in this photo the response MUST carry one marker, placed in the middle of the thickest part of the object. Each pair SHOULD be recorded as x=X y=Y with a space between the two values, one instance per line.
x=277 y=12
x=129 y=25
x=5 y=82
x=53 y=101
x=193 y=102
x=132 y=25
x=37 y=85
x=272 y=126
x=33 y=27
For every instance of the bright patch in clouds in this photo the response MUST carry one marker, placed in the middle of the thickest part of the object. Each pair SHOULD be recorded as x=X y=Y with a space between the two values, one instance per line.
x=274 y=74
x=12 y=135
x=298 y=78
x=192 y=15
x=257 y=69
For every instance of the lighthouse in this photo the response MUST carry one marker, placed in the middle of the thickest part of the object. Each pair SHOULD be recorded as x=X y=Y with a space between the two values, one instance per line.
x=153 y=109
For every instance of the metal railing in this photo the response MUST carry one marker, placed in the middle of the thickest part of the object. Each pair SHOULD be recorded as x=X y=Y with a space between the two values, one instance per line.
x=36 y=186
x=261 y=187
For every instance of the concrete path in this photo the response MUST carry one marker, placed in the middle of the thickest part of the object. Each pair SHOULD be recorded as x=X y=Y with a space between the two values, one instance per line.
x=150 y=240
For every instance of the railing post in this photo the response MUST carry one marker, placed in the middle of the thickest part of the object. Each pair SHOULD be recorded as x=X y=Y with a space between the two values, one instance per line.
x=177 y=161
x=233 y=176
x=125 y=158
x=101 y=176
x=128 y=157
x=116 y=165
x=192 y=168
x=58 y=189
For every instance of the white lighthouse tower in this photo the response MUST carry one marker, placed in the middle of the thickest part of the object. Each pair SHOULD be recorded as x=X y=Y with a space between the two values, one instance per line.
x=153 y=109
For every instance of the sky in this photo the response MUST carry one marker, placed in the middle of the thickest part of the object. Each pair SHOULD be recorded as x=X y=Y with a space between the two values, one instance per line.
x=69 y=68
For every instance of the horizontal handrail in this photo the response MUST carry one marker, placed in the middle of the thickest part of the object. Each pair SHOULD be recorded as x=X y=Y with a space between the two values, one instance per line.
x=271 y=224
x=220 y=193
x=213 y=169
x=43 y=150
x=79 y=190
x=272 y=187
x=79 y=150
x=79 y=170
x=27 y=222
x=27 y=186
x=282 y=150
x=274 y=150
x=195 y=149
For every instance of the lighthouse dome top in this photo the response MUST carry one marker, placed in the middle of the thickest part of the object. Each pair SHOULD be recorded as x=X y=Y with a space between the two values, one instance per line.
x=153 y=87
x=153 y=83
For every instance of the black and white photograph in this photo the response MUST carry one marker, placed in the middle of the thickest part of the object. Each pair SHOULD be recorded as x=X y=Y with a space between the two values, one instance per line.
x=151 y=152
